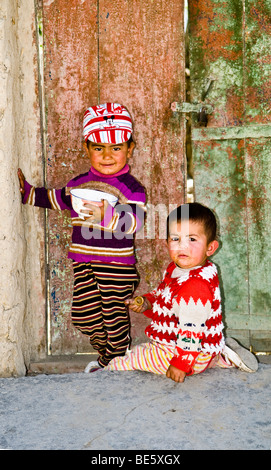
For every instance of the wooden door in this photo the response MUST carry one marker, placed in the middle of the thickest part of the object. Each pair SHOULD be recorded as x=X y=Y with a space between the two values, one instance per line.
x=229 y=49
x=131 y=52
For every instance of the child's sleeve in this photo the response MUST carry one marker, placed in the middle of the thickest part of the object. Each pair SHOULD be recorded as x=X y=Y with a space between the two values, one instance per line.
x=47 y=198
x=127 y=217
x=151 y=297
x=124 y=218
x=193 y=307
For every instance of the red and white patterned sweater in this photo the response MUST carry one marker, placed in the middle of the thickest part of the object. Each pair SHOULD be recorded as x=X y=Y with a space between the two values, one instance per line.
x=186 y=313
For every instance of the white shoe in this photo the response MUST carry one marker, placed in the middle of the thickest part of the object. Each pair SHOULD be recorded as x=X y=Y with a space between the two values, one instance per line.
x=92 y=367
x=239 y=356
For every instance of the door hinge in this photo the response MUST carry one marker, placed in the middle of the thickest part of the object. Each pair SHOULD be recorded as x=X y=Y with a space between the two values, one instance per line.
x=191 y=107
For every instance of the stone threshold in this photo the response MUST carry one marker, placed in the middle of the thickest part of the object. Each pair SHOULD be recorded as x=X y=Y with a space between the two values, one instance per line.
x=61 y=364
x=76 y=363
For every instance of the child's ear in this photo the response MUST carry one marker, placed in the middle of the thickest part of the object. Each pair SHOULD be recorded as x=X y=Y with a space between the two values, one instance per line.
x=130 y=149
x=212 y=247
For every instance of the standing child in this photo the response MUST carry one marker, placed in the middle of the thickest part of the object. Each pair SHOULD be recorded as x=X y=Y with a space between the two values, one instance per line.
x=102 y=246
x=186 y=326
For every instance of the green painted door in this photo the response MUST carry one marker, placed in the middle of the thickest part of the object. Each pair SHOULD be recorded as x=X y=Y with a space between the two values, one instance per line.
x=230 y=69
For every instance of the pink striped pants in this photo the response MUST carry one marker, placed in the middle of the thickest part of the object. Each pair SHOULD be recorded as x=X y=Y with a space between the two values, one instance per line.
x=154 y=357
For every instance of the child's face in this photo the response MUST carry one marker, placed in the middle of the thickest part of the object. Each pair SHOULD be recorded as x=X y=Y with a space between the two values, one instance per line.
x=109 y=158
x=187 y=244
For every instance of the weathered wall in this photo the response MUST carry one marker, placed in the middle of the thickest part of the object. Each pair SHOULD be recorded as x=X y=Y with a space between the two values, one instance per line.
x=21 y=230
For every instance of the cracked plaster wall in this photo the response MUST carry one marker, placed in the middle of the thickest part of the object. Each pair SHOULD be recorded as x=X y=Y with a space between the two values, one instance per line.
x=22 y=299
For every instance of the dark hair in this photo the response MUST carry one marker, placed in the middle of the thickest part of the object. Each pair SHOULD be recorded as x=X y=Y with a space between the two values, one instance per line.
x=198 y=213
x=130 y=141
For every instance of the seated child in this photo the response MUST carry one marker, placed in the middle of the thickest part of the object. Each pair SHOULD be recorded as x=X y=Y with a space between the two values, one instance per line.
x=185 y=333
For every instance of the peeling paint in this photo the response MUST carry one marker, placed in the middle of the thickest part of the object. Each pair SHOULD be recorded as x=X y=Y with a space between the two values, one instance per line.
x=230 y=42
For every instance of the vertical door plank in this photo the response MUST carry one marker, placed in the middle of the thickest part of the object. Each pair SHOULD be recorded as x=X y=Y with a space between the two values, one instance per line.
x=257 y=61
x=229 y=43
x=71 y=82
x=257 y=65
x=141 y=64
x=216 y=52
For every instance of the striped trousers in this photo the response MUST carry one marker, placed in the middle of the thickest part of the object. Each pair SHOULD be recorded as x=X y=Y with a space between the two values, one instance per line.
x=98 y=308
x=154 y=357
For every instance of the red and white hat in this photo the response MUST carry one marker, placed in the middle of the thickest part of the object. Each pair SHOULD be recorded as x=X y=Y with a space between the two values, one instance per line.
x=108 y=123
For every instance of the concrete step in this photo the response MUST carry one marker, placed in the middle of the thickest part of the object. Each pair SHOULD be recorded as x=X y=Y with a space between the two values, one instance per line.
x=61 y=364
x=77 y=363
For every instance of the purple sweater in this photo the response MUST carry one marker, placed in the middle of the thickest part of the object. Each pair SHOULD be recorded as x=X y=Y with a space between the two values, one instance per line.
x=113 y=239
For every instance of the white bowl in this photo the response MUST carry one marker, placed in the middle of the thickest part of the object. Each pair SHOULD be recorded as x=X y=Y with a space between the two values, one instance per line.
x=81 y=196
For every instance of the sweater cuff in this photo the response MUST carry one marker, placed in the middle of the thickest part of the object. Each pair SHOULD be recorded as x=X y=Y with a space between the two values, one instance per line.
x=27 y=189
x=151 y=299
x=184 y=363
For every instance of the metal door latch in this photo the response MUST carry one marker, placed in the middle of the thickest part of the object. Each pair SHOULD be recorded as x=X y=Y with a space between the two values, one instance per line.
x=191 y=107
x=201 y=109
